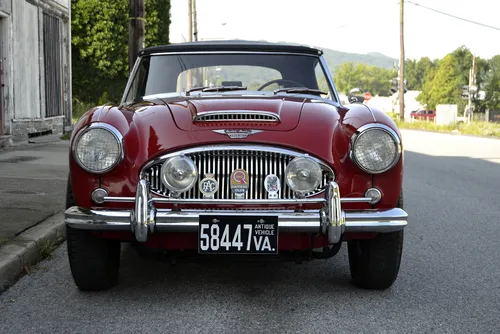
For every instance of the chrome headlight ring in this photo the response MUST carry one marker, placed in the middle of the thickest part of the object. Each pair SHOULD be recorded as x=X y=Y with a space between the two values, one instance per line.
x=385 y=131
x=119 y=151
x=303 y=174
x=179 y=174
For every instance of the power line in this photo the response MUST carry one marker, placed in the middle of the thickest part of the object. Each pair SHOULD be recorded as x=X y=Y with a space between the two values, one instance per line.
x=454 y=16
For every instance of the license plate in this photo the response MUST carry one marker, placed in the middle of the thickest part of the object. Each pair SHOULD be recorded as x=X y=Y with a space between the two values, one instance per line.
x=238 y=235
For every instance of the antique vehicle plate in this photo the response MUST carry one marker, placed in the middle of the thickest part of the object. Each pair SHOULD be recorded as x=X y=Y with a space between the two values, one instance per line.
x=238 y=234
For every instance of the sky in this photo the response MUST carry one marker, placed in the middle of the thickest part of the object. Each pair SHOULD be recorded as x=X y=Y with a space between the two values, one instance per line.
x=358 y=26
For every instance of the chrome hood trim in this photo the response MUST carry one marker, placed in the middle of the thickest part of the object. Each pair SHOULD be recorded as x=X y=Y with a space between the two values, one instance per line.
x=237 y=116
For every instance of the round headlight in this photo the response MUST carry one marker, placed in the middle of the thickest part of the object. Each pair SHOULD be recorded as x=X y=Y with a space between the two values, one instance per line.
x=99 y=148
x=303 y=175
x=179 y=174
x=376 y=149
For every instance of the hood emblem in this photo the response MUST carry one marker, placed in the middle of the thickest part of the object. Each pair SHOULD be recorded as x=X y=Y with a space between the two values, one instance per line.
x=237 y=134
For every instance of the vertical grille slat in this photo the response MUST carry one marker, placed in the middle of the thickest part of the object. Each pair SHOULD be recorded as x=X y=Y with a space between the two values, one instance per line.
x=221 y=163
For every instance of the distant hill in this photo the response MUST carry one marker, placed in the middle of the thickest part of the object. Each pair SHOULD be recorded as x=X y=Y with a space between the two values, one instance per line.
x=334 y=58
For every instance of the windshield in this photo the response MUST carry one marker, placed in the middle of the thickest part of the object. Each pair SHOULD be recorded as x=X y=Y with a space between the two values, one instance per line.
x=204 y=74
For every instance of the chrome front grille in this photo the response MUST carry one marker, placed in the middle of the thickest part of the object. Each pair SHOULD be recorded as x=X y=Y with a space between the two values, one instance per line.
x=239 y=116
x=258 y=161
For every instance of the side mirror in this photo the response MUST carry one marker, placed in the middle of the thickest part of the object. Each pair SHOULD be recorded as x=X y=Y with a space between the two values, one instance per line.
x=356 y=95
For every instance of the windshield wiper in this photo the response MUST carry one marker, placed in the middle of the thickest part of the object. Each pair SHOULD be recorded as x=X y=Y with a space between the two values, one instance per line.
x=300 y=90
x=215 y=89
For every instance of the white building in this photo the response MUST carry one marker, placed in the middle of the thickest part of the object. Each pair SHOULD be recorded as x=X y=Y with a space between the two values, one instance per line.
x=411 y=103
x=35 y=67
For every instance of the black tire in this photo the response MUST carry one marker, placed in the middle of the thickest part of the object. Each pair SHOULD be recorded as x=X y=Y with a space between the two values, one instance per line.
x=94 y=262
x=374 y=263
x=70 y=199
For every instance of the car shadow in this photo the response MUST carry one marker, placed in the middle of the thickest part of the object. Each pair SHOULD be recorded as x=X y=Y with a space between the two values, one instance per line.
x=251 y=278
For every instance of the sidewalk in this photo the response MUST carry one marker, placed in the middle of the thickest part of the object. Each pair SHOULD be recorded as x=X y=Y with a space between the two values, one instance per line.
x=32 y=190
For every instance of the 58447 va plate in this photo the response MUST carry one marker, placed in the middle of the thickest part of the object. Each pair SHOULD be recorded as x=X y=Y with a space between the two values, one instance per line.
x=238 y=234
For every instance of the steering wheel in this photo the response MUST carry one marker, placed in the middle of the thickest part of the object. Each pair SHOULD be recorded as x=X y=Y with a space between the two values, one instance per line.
x=280 y=82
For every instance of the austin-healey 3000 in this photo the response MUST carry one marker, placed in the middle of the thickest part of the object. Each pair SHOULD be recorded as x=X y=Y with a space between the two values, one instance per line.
x=234 y=149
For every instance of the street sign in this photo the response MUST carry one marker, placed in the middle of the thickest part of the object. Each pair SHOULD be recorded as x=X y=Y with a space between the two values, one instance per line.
x=368 y=96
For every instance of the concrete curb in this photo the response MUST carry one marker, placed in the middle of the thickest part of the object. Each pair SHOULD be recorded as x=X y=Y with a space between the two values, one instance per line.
x=29 y=248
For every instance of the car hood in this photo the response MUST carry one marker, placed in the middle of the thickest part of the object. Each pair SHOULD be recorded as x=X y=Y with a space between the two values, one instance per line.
x=271 y=113
x=305 y=124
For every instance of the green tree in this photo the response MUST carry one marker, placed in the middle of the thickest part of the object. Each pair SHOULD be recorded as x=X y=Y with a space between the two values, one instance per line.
x=345 y=77
x=462 y=61
x=374 y=79
x=158 y=22
x=100 y=44
x=492 y=84
x=417 y=72
x=442 y=86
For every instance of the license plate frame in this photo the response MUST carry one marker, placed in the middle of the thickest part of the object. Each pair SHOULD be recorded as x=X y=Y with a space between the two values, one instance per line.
x=258 y=235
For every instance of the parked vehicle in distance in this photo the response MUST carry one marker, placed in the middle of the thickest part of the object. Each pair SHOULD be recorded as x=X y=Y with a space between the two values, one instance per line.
x=235 y=149
x=423 y=115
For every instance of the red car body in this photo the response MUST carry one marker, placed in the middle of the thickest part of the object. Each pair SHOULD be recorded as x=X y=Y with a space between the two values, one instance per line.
x=154 y=219
x=424 y=115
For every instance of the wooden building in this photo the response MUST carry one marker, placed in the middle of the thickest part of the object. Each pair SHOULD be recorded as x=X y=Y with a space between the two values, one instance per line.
x=35 y=67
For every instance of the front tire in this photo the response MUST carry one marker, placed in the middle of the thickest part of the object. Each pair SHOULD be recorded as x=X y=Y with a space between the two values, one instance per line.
x=94 y=261
x=374 y=263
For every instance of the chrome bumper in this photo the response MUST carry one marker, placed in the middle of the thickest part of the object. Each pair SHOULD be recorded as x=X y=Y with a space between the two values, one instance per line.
x=146 y=219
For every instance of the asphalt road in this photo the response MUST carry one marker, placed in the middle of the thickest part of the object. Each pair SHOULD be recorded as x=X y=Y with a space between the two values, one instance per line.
x=449 y=279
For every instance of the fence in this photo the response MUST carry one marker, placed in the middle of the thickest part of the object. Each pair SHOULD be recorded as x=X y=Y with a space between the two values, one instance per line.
x=494 y=116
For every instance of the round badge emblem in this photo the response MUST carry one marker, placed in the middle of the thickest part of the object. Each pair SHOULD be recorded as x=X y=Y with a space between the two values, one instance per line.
x=272 y=185
x=209 y=186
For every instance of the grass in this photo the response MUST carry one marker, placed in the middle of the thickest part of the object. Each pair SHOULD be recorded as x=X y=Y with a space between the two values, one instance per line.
x=477 y=128
x=49 y=246
x=481 y=129
x=66 y=136
x=80 y=108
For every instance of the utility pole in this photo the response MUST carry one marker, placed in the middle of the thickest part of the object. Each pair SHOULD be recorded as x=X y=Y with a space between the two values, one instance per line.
x=401 y=62
x=195 y=22
x=189 y=82
x=190 y=21
x=472 y=83
x=135 y=30
x=197 y=73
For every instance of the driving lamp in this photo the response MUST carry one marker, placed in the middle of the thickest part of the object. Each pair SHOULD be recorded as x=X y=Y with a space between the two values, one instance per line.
x=376 y=149
x=179 y=174
x=303 y=175
x=98 y=149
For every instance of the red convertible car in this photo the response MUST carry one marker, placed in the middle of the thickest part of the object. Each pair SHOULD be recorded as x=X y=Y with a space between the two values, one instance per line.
x=239 y=150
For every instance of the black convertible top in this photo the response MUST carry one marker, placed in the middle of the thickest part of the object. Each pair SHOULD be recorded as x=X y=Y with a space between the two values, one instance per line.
x=234 y=45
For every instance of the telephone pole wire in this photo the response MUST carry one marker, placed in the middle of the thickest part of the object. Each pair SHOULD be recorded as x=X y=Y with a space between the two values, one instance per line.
x=401 y=62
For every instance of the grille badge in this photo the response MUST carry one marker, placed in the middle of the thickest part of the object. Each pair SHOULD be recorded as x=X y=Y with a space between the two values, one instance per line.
x=239 y=183
x=237 y=134
x=209 y=186
x=272 y=185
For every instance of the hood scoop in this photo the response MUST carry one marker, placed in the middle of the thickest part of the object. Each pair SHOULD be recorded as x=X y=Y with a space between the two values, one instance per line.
x=237 y=116
x=273 y=113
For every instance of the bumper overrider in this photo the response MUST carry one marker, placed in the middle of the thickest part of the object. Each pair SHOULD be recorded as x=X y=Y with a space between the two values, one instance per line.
x=146 y=219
